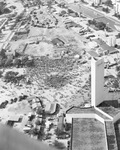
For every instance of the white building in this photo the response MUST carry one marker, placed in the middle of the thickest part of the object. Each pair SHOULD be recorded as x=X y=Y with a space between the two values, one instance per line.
x=117 y=7
x=111 y=40
x=97 y=2
x=114 y=1
x=97 y=81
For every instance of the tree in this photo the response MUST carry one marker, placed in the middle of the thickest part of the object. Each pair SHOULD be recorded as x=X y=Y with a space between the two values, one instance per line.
x=2 y=7
x=116 y=84
x=2 y=62
x=92 y=22
x=100 y=25
x=117 y=68
x=49 y=4
x=34 y=131
x=39 y=3
x=118 y=35
x=3 y=53
x=6 y=10
x=10 y=76
x=17 y=62
x=68 y=126
x=24 y=60
x=13 y=77
x=1 y=72
x=17 y=54
x=93 y=5
x=89 y=80
x=109 y=3
x=38 y=122
x=118 y=75
x=30 y=63
x=39 y=110
x=8 y=62
x=41 y=133
x=106 y=9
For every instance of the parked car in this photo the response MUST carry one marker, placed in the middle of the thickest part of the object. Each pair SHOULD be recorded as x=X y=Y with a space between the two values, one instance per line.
x=71 y=24
x=88 y=37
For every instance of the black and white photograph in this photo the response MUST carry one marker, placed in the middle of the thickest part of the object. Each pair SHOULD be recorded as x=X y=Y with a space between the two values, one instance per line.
x=59 y=74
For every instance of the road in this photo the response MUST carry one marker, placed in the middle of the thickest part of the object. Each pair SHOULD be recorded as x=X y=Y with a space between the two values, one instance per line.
x=89 y=12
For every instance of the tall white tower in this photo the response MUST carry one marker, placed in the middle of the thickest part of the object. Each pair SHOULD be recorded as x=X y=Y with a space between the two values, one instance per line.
x=97 y=81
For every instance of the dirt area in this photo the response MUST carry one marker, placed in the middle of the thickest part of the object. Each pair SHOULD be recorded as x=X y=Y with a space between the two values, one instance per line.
x=41 y=49
x=59 y=73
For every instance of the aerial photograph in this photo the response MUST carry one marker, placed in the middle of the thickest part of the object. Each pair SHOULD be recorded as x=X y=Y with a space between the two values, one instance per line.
x=59 y=74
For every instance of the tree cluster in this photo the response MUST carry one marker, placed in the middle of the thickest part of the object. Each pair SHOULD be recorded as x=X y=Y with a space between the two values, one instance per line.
x=107 y=10
x=13 y=77
x=118 y=35
x=109 y=3
x=3 y=9
x=117 y=15
x=15 y=61
x=99 y=25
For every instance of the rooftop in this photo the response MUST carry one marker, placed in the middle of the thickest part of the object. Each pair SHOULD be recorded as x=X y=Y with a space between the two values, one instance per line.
x=14 y=118
x=78 y=110
x=104 y=46
x=74 y=7
x=93 y=53
x=110 y=107
x=88 y=134
x=110 y=110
